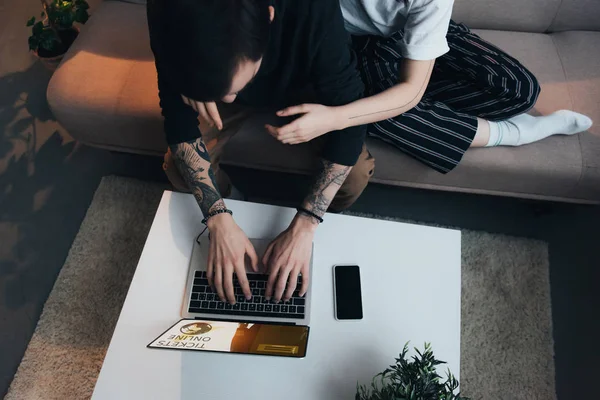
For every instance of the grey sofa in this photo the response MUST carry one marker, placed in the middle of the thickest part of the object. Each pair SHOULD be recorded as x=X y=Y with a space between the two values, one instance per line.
x=105 y=94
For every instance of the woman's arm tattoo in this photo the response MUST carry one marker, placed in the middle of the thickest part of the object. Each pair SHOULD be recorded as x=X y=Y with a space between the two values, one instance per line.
x=419 y=93
x=193 y=162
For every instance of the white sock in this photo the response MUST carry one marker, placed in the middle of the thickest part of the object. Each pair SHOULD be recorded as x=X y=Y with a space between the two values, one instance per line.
x=524 y=128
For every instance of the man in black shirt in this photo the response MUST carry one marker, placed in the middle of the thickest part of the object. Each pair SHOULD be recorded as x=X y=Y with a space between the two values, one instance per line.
x=255 y=53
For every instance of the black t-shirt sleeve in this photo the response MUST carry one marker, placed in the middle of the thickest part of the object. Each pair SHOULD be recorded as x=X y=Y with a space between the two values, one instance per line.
x=336 y=81
x=180 y=120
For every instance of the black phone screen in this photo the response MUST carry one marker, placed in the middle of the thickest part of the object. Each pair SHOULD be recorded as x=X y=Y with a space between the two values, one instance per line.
x=348 y=297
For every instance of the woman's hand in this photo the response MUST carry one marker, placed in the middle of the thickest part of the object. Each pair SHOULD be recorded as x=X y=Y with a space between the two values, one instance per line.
x=316 y=121
x=208 y=111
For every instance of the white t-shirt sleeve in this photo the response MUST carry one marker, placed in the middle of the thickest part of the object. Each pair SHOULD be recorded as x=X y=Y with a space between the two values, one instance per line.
x=425 y=29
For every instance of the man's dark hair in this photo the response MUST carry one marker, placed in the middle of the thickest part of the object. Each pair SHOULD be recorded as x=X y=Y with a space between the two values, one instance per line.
x=205 y=41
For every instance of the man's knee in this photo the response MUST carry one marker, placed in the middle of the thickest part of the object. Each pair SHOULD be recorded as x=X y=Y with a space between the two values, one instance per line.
x=355 y=183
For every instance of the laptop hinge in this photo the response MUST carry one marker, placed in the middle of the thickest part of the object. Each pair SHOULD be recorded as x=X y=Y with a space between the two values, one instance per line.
x=244 y=321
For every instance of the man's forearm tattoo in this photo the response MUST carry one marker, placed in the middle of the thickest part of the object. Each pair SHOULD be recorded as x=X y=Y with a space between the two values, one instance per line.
x=193 y=162
x=328 y=182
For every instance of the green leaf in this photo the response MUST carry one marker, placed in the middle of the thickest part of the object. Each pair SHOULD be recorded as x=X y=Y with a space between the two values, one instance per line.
x=81 y=16
x=49 y=40
x=33 y=43
x=413 y=378
x=31 y=21
x=38 y=28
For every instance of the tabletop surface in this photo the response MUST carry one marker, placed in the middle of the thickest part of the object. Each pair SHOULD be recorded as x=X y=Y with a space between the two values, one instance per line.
x=410 y=276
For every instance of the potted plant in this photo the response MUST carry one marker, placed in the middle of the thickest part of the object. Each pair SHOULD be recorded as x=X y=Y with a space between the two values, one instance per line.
x=54 y=33
x=414 y=379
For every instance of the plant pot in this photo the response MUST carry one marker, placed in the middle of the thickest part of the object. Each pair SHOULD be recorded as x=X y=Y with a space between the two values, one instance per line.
x=50 y=63
x=52 y=60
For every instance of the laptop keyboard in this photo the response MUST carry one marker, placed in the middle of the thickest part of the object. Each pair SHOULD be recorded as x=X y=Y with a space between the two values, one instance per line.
x=204 y=300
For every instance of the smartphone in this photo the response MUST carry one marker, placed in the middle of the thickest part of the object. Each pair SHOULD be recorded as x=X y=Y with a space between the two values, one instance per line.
x=235 y=337
x=347 y=292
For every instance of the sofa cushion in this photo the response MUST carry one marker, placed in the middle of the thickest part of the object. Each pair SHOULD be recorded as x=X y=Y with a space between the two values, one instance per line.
x=577 y=15
x=515 y=15
x=105 y=91
x=550 y=168
x=580 y=55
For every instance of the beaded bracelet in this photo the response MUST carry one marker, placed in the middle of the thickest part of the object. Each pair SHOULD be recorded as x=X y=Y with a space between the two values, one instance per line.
x=309 y=213
x=216 y=212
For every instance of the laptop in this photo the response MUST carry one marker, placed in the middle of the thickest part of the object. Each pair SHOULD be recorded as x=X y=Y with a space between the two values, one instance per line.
x=200 y=302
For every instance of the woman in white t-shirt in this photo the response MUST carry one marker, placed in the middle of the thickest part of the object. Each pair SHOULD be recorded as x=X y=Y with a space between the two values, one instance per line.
x=436 y=89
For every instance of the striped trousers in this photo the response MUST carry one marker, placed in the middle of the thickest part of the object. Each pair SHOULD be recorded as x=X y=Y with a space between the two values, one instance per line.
x=474 y=79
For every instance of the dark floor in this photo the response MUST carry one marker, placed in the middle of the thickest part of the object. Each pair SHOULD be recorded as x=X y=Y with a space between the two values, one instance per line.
x=47 y=183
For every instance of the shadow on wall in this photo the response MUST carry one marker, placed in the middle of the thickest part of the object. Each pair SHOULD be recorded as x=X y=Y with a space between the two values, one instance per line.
x=42 y=180
x=28 y=217
x=22 y=101
x=37 y=168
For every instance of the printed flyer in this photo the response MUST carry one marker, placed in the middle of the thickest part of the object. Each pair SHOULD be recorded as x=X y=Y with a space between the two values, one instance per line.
x=235 y=337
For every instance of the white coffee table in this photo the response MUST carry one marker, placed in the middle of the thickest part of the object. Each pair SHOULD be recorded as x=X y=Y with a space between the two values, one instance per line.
x=411 y=291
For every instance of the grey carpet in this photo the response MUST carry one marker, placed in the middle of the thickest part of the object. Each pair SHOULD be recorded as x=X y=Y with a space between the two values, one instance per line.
x=506 y=345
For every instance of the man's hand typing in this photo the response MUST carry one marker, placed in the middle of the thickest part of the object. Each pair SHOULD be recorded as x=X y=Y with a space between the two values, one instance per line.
x=228 y=244
x=288 y=256
x=229 y=247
